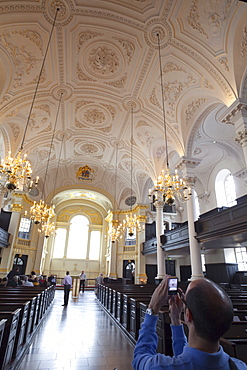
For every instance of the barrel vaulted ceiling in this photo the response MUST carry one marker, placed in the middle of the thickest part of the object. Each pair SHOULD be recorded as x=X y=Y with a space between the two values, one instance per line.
x=103 y=57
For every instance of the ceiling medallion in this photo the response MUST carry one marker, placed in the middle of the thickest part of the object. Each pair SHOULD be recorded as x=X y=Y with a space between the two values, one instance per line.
x=85 y=173
x=65 y=10
x=154 y=27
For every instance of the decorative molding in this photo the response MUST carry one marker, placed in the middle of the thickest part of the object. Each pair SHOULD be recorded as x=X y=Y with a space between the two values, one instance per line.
x=224 y=62
x=193 y=18
x=239 y=107
x=15 y=129
x=103 y=61
x=205 y=64
x=241 y=137
x=66 y=214
x=119 y=83
x=128 y=47
x=16 y=207
x=243 y=50
x=84 y=37
x=192 y=108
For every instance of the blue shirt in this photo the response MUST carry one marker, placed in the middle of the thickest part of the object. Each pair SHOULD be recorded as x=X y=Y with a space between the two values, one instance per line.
x=185 y=357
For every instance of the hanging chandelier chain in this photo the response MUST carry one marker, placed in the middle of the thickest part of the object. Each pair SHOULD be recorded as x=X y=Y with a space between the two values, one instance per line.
x=131 y=159
x=163 y=101
x=55 y=183
x=49 y=155
x=38 y=81
x=115 y=189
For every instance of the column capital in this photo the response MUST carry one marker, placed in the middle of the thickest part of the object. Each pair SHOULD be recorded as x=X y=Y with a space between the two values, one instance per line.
x=159 y=203
x=187 y=163
x=241 y=137
x=234 y=112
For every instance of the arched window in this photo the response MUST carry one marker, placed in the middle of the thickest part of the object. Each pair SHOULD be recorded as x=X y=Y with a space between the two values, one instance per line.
x=78 y=237
x=225 y=189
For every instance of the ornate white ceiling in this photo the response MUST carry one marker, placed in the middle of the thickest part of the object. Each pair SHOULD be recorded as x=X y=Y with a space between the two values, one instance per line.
x=103 y=57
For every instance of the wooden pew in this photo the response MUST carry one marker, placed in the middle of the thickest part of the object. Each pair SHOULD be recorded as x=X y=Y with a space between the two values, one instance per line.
x=2 y=326
x=9 y=336
x=22 y=322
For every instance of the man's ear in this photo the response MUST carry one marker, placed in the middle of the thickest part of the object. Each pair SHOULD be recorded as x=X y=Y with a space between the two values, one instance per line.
x=188 y=314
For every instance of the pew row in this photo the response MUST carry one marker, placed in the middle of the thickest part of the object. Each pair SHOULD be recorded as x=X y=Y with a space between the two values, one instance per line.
x=21 y=311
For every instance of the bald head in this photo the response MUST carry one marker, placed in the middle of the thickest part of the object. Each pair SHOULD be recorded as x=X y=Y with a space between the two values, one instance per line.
x=210 y=307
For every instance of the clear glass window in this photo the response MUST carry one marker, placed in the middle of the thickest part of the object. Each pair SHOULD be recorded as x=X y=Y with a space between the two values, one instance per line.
x=78 y=238
x=230 y=191
x=94 y=245
x=130 y=239
x=59 y=244
x=225 y=189
x=24 y=228
x=241 y=257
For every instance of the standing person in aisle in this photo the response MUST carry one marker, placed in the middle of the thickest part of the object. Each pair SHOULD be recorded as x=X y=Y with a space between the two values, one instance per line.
x=67 y=283
x=83 y=279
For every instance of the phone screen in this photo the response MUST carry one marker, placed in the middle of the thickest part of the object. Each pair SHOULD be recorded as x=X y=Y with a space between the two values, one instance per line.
x=173 y=286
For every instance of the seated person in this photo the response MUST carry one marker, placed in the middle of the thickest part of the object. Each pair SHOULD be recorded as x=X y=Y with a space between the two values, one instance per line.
x=14 y=282
x=26 y=282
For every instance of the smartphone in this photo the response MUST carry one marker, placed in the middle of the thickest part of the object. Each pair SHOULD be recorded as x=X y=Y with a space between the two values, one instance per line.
x=173 y=286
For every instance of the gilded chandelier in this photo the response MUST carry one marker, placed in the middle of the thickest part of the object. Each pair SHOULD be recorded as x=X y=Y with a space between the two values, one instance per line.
x=47 y=228
x=167 y=185
x=17 y=173
x=40 y=212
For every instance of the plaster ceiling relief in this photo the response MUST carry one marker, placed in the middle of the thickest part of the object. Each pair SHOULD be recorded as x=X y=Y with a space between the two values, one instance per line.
x=89 y=148
x=15 y=130
x=206 y=21
x=176 y=81
x=94 y=115
x=243 y=51
x=25 y=49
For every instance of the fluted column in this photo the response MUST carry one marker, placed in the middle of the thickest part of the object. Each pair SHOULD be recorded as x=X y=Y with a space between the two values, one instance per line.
x=159 y=204
x=187 y=165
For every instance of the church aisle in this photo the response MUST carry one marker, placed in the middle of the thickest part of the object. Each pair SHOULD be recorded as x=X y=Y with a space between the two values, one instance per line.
x=80 y=336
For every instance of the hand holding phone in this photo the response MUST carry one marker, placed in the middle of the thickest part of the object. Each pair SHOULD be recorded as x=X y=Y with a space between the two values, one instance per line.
x=173 y=286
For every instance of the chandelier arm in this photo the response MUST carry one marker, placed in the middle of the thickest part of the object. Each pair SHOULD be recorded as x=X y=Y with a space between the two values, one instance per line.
x=49 y=155
x=38 y=81
x=163 y=101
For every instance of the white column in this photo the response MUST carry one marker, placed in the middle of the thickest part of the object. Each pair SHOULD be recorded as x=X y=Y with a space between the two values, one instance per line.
x=159 y=204
x=66 y=243
x=187 y=165
x=113 y=261
x=39 y=254
x=195 y=251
